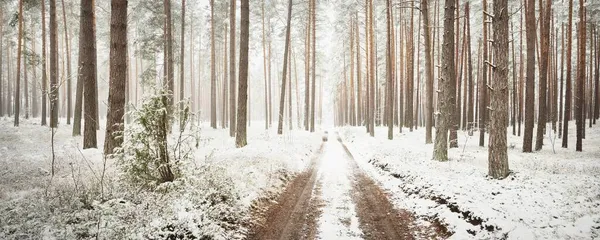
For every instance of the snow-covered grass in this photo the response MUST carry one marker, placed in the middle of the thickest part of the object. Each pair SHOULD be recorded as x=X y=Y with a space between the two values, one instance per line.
x=547 y=196
x=212 y=199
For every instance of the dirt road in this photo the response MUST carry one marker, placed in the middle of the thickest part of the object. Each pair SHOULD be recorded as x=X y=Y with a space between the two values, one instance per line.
x=322 y=202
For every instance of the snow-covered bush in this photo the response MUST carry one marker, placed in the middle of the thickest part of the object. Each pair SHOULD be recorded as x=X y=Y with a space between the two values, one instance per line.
x=147 y=158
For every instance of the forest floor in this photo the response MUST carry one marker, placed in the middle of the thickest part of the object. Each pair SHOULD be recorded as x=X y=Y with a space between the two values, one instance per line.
x=301 y=186
x=553 y=193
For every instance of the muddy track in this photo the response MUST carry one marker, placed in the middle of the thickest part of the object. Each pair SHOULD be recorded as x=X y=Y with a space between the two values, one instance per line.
x=295 y=213
x=378 y=218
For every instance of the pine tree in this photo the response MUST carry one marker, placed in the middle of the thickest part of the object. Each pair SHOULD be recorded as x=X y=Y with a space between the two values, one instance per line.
x=579 y=100
x=545 y=15
x=498 y=157
x=87 y=66
x=19 y=52
x=118 y=76
x=530 y=84
x=285 y=69
x=53 y=95
x=440 y=149
x=428 y=73
x=213 y=76
x=240 y=137
x=232 y=110
x=568 y=88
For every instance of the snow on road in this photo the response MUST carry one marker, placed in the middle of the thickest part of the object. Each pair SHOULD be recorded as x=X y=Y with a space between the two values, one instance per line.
x=338 y=219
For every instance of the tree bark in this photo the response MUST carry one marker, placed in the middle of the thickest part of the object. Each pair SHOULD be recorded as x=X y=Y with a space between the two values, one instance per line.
x=579 y=100
x=530 y=85
x=482 y=86
x=169 y=80
x=53 y=96
x=440 y=149
x=118 y=76
x=232 y=91
x=497 y=155
x=568 y=90
x=544 y=63
x=470 y=116
x=19 y=52
x=389 y=75
x=428 y=73
x=285 y=69
x=213 y=76
x=68 y=75
x=78 y=96
x=87 y=64
x=2 y=95
x=182 y=68
x=240 y=137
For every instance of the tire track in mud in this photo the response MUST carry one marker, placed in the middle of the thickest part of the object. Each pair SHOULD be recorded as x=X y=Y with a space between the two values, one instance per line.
x=378 y=218
x=295 y=213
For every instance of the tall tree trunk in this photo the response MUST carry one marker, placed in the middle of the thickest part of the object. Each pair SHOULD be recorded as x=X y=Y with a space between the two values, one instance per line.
x=314 y=64
x=372 y=68
x=597 y=79
x=53 y=96
x=2 y=62
x=240 y=137
x=455 y=104
x=545 y=15
x=359 y=111
x=169 y=66
x=25 y=81
x=440 y=149
x=87 y=64
x=579 y=100
x=69 y=75
x=470 y=116
x=285 y=69
x=9 y=107
x=497 y=154
x=482 y=86
x=78 y=96
x=232 y=104
x=453 y=107
x=118 y=76
x=410 y=74
x=352 y=99
x=428 y=73
x=390 y=78
x=562 y=65
x=213 y=76
x=182 y=68
x=265 y=68
x=513 y=118
x=568 y=90
x=307 y=70
x=34 y=89
x=18 y=82
x=225 y=81
x=297 y=92
x=530 y=85
x=289 y=87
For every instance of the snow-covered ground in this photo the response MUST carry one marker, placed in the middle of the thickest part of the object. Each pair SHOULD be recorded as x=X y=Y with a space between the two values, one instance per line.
x=214 y=199
x=547 y=196
x=338 y=219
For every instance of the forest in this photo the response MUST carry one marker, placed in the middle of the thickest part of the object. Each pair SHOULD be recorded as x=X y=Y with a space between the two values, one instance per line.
x=299 y=119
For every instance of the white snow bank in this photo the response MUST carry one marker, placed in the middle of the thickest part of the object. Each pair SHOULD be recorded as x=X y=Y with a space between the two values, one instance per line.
x=548 y=196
